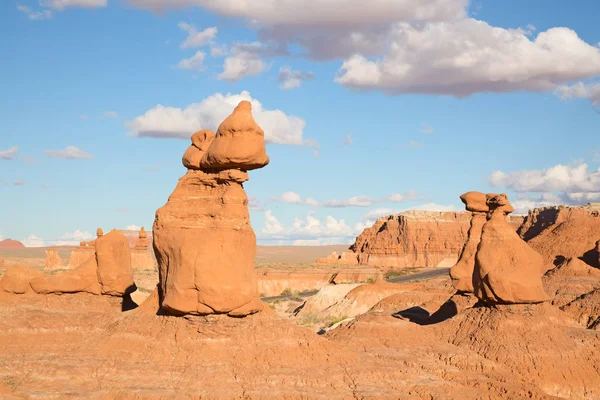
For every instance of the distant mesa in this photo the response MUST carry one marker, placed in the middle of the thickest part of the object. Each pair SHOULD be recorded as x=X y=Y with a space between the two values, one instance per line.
x=11 y=244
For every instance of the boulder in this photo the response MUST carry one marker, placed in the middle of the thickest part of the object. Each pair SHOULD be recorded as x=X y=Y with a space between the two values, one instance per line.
x=16 y=279
x=82 y=279
x=507 y=270
x=462 y=272
x=239 y=143
x=113 y=258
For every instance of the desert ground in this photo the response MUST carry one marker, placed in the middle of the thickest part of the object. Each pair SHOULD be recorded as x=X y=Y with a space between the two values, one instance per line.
x=423 y=305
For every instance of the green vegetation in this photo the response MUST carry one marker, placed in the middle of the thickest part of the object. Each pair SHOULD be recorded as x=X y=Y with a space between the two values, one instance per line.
x=334 y=320
x=396 y=273
x=309 y=318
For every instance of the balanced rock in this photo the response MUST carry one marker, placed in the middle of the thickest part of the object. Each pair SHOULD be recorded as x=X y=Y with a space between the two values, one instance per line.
x=202 y=238
x=142 y=241
x=462 y=272
x=507 y=270
x=141 y=257
x=239 y=143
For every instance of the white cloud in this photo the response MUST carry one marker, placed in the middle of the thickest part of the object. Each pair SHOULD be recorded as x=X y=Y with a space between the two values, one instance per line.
x=218 y=50
x=426 y=129
x=245 y=60
x=195 y=62
x=171 y=122
x=315 y=13
x=307 y=229
x=271 y=226
x=35 y=15
x=9 y=154
x=62 y=4
x=195 y=38
x=84 y=117
x=69 y=153
x=1 y=237
x=355 y=201
x=378 y=213
x=19 y=182
x=110 y=115
x=290 y=79
x=348 y=139
x=560 y=178
x=34 y=241
x=412 y=143
x=524 y=202
x=133 y=228
x=463 y=57
x=580 y=91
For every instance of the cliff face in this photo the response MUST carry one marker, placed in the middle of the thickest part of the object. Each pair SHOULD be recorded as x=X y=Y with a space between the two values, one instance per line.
x=411 y=239
x=562 y=232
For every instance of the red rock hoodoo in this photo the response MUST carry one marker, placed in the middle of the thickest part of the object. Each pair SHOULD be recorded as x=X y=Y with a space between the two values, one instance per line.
x=202 y=238
x=507 y=270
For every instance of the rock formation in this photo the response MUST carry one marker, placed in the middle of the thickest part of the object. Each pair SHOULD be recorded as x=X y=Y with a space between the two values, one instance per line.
x=598 y=252
x=462 y=272
x=11 y=244
x=108 y=273
x=507 y=270
x=563 y=232
x=411 y=239
x=202 y=237
x=53 y=260
x=141 y=257
x=85 y=251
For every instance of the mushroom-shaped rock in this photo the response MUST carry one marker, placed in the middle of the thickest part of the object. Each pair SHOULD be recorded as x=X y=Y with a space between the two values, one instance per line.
x=462 y=272
x=113 y=256
x=239 y=143
x=507 y=270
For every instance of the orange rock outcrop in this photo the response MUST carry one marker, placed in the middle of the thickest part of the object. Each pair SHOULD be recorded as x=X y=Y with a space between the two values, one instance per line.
x=202 y=238
x=507 y=270
x=411 y=239
x=53 y=260
x=462 y=272
x=108 y=273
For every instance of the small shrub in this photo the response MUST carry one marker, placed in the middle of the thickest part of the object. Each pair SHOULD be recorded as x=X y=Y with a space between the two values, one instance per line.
x=334 y=320
x=286 y=292
x=309 y=318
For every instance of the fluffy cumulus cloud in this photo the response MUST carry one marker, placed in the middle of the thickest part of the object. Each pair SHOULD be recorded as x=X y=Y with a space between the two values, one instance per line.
x=408 y=46
x=133 y=228
x=291 y=79
x=308 y=230
x=561 y=184
x=69 y=153
x=580 y=91
x=194 y=63
x=245 y=59
x=33 y=241
x=354 y=201
x=172 y=122
x=197 y=38
x=460 y=58
x=9 y=154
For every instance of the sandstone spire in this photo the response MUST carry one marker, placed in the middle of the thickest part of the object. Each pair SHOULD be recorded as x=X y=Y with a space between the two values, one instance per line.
x=507 y=270
x=99 y=232
x=203 y=240
x=142 y=241
x=462 y=272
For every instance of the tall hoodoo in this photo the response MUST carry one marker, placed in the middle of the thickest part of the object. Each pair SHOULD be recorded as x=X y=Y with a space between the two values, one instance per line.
x=462 y=272
x=507 y=270
x=203 y=240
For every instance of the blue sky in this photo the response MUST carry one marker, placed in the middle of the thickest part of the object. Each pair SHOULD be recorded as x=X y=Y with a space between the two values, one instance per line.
x=403 y=104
